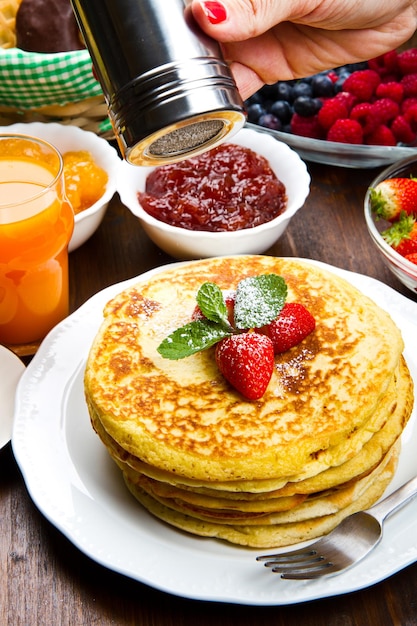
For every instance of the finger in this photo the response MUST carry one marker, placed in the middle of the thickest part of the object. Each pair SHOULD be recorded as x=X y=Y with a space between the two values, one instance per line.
x=293 y=51
x=238 y=20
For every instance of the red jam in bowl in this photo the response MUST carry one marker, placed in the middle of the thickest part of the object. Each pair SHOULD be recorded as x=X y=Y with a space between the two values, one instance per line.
x=228 y=188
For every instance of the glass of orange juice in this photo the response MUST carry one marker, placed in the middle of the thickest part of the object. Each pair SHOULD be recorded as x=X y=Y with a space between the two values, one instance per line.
x=36 y=224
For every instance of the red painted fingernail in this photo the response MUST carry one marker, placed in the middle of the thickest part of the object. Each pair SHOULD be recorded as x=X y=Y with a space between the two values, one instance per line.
x=215 y=12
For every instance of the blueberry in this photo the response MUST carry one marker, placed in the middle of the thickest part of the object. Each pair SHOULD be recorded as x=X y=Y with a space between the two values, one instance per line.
x=323 y=86
x=255 y=111
x=306 y=106
x=338 y=86
x=282 y=110
x=284 y=91
x=302 y=88
x=255 y=98
x=269 y=121
x=353 y=67
x=268 y=92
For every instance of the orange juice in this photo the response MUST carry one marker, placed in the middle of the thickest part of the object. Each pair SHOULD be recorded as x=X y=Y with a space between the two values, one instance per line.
x=36 y=224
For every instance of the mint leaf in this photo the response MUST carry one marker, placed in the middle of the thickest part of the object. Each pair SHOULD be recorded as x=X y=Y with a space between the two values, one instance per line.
x=259 y=299
x=191 y=338
x=211 y=302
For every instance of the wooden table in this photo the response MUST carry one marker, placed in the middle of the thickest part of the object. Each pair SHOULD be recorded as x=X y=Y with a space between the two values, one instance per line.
x=46 y=581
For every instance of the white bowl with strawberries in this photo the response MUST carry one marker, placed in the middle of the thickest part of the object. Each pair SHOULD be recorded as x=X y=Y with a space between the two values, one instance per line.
x=391 y=217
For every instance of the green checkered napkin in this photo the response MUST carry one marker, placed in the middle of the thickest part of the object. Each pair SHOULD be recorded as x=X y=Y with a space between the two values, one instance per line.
x=30 y=80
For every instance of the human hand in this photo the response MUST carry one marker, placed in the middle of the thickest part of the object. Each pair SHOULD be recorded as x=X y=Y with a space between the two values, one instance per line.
x=269 y=40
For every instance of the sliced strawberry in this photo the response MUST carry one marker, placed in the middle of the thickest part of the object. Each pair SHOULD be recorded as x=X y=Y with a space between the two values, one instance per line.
x=392 y=196
x=412 y=258
x=292 y=325
x=246 y=361
x=402 y=235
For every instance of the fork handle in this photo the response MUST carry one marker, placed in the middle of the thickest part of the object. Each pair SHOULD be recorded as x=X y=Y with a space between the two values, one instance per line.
x=395 y=501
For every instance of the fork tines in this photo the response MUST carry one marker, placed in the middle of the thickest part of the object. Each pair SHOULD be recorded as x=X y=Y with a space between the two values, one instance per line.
x=298 y=565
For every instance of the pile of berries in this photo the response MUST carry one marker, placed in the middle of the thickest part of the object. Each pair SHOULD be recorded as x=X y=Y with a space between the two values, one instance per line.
x=395 y=200
x=373 y=103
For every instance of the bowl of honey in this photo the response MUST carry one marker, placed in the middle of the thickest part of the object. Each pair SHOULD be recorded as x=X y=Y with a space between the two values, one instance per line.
x=90 y=171
x=237 y=198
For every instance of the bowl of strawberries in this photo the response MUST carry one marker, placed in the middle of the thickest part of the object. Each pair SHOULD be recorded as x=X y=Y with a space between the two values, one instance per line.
x=391 y=217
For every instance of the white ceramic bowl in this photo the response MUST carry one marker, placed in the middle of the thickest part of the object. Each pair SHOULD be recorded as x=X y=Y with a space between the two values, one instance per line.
x=181 y=243
x=403 y=269
x=66 y=138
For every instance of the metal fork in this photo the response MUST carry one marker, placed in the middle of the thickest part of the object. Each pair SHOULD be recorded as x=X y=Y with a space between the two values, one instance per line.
x=344 y=546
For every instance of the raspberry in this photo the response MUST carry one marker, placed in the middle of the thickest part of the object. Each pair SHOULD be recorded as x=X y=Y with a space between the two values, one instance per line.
x=381 y=136
x=362 y=84
x=402 y=130
x=333 y=76
x=392 y=90
x=411 y=116
x=362 y=113
x=385 y=110
x=407 y=103
x=333 y=109
x=409 y=82
x=348 y=99
x=385 y=64
x=407 y=61
x=346 y=131
x=306 y=126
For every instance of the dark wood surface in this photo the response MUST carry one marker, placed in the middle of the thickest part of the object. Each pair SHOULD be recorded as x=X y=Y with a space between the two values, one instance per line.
x=46 y=581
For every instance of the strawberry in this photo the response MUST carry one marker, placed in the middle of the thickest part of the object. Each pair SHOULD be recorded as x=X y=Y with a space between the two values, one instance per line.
x=402 y=235
x=412 y=257
x=392 y=196
x=292 y=325
x=246 y=360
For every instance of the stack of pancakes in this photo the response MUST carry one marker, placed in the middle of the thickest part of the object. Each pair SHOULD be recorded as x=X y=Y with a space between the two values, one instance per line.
x=322 y=443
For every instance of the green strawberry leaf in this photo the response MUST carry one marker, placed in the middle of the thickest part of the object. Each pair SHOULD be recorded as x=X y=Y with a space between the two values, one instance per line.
x=259 y=299
x=191 y=338
x=212 y=305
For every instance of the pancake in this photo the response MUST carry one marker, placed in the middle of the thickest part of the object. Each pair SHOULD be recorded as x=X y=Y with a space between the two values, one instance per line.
x=268 y=511
x=268 y=536
x=393 y=413
x=317 y=505
x=321 y=443
x=183 y=417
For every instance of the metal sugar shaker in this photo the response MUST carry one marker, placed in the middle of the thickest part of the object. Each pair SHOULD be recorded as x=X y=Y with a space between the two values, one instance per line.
x=169 y=92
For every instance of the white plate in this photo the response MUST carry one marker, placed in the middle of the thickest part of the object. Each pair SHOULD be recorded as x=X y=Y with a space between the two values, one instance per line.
x=11 y=368
x=341 y=154
x=78 y=488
